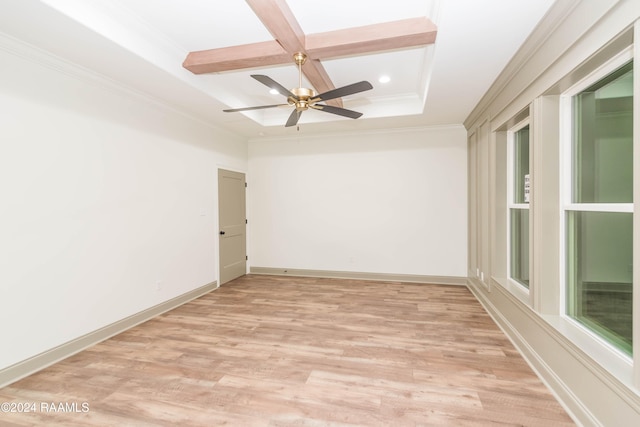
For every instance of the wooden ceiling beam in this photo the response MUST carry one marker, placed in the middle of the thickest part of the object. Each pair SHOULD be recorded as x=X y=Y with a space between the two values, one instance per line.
x=279 y=20
x=252 y=55
x=352 y=41
x=290 y=39
x=283 y=26
x=372 y=38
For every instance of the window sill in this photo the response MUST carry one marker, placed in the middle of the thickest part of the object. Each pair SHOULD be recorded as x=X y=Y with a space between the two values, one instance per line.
x=609 y=358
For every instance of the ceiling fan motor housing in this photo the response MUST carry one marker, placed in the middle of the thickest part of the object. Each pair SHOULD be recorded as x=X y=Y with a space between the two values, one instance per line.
x=303 y=94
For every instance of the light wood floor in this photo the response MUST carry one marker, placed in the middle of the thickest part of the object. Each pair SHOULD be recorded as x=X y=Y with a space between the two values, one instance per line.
x=285 y=351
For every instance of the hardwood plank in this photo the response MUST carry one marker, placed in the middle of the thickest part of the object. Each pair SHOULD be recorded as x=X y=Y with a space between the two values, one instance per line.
x=285 y=351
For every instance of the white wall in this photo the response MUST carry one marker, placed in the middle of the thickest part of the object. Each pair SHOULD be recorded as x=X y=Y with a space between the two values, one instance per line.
x=389 y=202
x=102 y=195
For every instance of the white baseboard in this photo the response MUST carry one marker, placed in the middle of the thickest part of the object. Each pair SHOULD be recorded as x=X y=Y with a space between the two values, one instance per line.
x=36 y=363
x=411 y=278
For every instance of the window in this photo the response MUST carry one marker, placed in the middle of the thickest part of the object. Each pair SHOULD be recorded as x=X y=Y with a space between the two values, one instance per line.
x=598 y=205
x=518 y=204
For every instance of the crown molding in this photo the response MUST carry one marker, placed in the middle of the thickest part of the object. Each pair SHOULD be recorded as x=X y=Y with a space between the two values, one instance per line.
x=43 y=58
x=357 y=133
x=549 y=25
x=571 y=32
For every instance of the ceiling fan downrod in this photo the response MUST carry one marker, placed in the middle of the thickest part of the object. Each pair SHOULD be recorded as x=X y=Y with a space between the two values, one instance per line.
x=302 y=94
x=300 y=58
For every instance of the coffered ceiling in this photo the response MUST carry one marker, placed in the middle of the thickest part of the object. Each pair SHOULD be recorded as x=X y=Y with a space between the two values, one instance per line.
x=142 y=45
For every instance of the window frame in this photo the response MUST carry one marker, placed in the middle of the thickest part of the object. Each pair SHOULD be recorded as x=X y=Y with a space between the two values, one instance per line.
x=519 y=290
x=586 y=338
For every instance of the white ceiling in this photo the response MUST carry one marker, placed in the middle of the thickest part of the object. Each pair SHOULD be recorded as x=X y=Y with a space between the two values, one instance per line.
x=142 y=43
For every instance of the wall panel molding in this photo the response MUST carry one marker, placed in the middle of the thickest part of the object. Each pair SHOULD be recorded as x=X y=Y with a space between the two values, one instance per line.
x=592 y=380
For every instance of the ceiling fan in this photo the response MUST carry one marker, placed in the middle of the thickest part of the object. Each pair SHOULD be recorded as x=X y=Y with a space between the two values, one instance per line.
x=302 y=98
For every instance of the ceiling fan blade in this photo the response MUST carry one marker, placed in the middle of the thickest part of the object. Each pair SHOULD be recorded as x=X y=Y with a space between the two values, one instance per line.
x=269 y=82
x=260 y=107
x=343 y=91
x=293 y=118
x=337 y=110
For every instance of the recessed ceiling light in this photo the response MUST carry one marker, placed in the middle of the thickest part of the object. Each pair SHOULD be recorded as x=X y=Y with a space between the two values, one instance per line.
x=273 y=92
x=384 y=79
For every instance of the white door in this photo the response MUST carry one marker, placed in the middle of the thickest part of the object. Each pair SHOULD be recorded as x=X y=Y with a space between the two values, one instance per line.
x=232 y=221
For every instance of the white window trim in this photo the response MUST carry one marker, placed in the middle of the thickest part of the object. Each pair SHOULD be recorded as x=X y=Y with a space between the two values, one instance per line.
x=600 y=207
x=605 y=353
x=513 y=286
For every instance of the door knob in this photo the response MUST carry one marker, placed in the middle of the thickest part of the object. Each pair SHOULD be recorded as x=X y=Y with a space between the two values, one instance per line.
x=222 y=233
